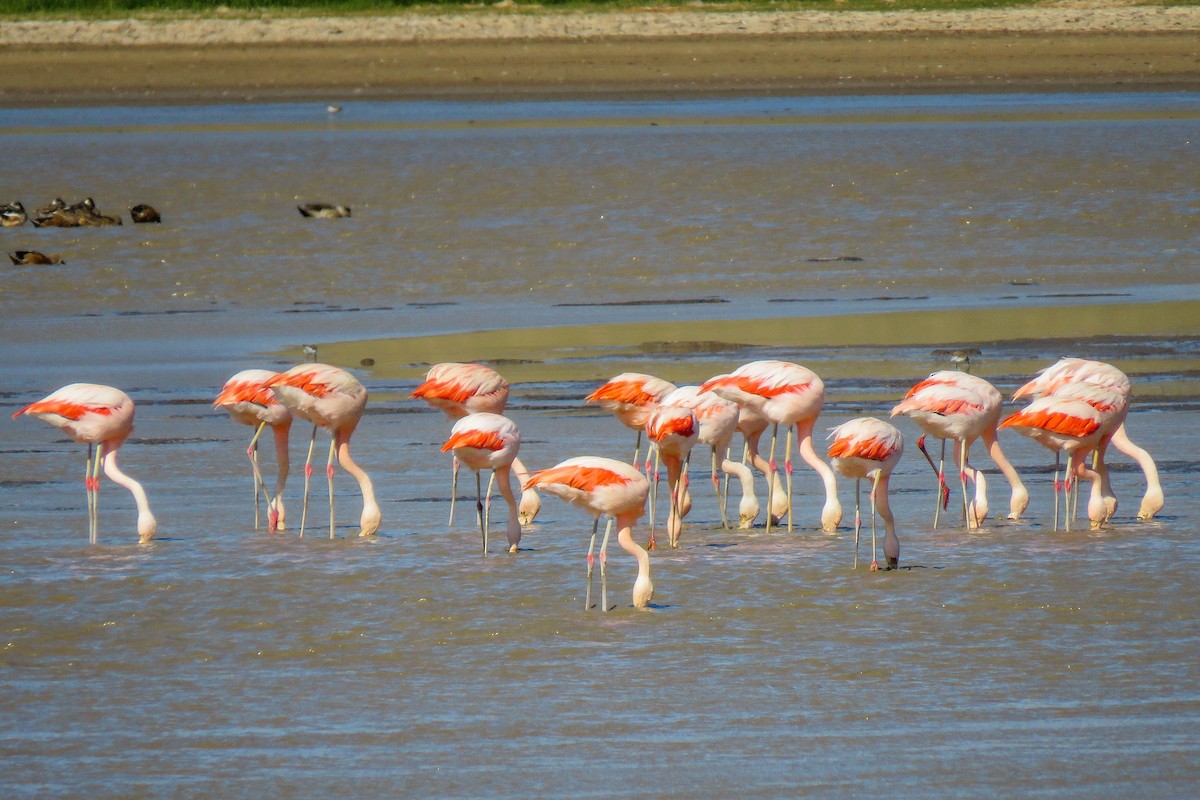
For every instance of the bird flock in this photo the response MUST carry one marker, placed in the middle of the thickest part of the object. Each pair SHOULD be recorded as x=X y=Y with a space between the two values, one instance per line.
x=58 y=214
x=1077 y=408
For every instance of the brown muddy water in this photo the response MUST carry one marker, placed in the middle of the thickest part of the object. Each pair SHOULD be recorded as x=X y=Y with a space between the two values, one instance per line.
x=563 y=243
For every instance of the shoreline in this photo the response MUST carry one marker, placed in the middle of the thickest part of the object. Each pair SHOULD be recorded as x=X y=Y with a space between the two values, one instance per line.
x=497 y=54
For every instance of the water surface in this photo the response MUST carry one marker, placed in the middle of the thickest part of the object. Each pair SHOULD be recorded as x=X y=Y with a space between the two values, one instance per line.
x=565 y=242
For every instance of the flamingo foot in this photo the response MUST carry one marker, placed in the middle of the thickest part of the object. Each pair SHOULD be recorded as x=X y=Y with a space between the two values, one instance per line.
x=874 y=566
x=650 y=545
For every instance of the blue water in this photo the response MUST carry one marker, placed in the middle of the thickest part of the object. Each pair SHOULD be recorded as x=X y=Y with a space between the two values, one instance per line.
x=219 y=661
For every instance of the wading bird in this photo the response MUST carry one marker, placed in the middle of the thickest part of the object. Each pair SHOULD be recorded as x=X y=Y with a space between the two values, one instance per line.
x=603 y=486
x=333 y=399
x=97 y=415
x=461 y=389
x=248 y=400
x=870 y=448
x=489 y=441
x=790 y=395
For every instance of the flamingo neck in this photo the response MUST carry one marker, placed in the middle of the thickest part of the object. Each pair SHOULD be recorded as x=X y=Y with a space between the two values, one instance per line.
x=643 y=588
x=371 y=516
x=147 y=525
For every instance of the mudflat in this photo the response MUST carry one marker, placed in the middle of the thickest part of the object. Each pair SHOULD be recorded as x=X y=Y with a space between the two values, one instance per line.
x=505 y=52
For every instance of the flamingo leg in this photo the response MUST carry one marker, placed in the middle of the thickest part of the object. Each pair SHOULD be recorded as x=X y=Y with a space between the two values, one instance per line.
x=874 y=551
x=604 y=566
x=771 y=477
x=1057 y=487
x=637 y=448
x=653 y=497
x=942 y=499
x=857 y=518
x=252 y=453
x=307 y=478
x=724 y=491
x=716 y=482
x=591 y=562
x=941 y=470
x=479 y=512
x=91 y=481
x=453 y=488
x=787 y=468
x=487 y=504
x=961 y=447
x=329 y=476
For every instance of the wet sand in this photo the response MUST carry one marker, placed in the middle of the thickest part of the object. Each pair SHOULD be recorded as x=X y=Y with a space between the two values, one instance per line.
x=1078 y=47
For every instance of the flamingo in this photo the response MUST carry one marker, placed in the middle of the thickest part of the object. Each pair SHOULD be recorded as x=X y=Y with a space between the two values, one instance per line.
x=333 y=399
x=1066 y=371
x=97 y=415
x=248 y=400
x=631 y=396
x=674 y=431
x=718 y=420
x=1070 y=426
x=870 y=448
x=962 y=407
x=792 y=395
x=489 y=441
x=460 y=389
x=603 y=486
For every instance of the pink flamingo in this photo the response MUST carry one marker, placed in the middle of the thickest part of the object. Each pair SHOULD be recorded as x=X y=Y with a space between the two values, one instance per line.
x=97 y=415
x=792 y=395
x=489 y=441
x=962 y=407
x=603 y=486
x=870 y=448
x=1065 y=425
x=718 y=420
x=631 y=396
x=333 y=399
x=674 y=431
x=1067 y=371
x=248 y=400
x=460 y=389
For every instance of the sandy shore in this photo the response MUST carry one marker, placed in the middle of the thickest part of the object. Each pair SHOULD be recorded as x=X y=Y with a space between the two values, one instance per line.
x=1075 y=45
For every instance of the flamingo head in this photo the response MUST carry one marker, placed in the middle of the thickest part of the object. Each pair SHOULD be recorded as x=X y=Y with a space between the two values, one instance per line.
x=1018 y=503
x=1152 y=503
x=147 y=527
x=831 y=515
x=747 y=512
x=369 y=522
x=643 y=591
x=531 y=504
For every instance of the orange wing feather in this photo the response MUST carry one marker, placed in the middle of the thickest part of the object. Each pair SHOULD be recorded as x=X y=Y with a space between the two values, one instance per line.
x=1053 y=421
x=622 y=392
x=73 y=411
x=583 y=478
x=483 y=440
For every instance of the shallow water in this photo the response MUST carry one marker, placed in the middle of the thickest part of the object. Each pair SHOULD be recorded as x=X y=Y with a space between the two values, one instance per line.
x=856 y=236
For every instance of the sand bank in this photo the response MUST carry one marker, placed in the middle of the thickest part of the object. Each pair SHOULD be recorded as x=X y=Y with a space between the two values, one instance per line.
x=498 y=52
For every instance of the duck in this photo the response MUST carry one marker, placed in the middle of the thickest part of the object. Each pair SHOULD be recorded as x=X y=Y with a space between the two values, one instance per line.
x=54 y=205
x=29 y=258
x=323 y=210
x=12 y=215
x=143 y=213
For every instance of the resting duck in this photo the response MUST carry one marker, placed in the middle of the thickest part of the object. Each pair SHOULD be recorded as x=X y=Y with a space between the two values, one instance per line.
x=12 y=215
x=144 y=213
x=29 y=258
x=323 y=210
